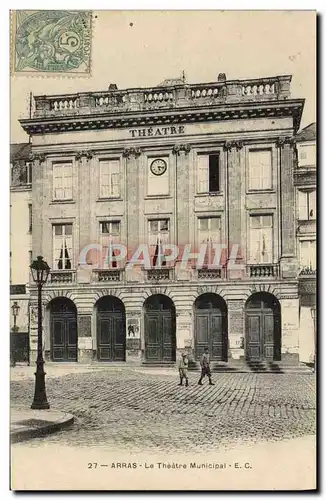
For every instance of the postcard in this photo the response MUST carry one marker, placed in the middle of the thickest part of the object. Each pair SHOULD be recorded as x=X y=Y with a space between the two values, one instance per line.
x=163 y=330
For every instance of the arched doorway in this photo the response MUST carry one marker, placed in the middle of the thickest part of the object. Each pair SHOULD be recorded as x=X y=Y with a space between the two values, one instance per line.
x=160 y=338
x=263 y=328
x=63 y=329
x=111 y=329
x=211 y=328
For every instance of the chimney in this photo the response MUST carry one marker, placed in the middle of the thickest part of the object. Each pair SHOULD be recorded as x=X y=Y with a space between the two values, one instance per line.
x=221 y=77
x=113 y=86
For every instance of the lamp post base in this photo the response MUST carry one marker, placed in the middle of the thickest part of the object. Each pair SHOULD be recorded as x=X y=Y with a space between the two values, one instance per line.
x=40 y=406
x=40 y=401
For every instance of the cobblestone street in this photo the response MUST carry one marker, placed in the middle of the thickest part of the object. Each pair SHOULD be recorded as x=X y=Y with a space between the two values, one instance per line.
x=139 y=409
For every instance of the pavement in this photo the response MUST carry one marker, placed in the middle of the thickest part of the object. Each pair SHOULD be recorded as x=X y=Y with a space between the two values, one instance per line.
x=136 y=409
x=26 y=424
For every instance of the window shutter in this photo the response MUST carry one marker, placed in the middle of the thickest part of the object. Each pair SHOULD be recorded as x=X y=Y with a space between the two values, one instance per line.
x=202 y=173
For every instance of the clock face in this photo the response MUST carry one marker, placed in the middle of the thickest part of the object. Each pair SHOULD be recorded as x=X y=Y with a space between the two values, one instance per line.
x=158 y=167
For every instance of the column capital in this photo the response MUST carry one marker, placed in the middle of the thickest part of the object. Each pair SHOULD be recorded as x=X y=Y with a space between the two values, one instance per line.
x=228 y=145
x=281 y=141
x=181 y=148
x=84 y=154
x=37 y=157
x=128 y=152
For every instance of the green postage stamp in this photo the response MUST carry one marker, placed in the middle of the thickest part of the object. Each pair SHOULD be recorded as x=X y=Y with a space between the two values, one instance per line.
x=51 y=41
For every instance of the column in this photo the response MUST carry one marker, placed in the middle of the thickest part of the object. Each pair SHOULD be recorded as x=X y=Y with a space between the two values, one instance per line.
x=132 y=198
x=287 y=207
x=83 y=159
x=234 y=186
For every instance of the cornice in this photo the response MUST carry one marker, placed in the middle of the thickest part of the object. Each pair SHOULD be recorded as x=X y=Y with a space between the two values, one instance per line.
x=67 y=123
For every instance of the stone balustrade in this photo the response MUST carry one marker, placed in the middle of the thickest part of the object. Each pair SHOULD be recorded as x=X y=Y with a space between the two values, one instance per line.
x=263 y=270
x=62 y=277
x=177 y=96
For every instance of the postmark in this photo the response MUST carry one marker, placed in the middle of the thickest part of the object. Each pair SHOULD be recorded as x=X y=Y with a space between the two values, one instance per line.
x=48 y=42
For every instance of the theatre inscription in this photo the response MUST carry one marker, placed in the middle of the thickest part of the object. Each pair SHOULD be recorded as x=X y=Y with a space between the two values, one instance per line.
x=157 y=131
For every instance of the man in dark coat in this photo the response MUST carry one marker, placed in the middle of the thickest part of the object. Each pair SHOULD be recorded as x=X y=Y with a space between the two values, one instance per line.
x=205 y=367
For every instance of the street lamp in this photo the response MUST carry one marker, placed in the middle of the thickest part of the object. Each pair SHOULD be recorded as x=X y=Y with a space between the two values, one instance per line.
x=313 y=315
x=40 y=271
x=15 y=311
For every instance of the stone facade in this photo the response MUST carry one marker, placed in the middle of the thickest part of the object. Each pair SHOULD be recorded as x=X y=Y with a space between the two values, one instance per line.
x=306 y=217
x=229 y=119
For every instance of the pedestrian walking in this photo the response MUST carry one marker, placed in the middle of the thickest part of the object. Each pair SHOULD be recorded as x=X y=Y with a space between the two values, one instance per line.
x=205 y=367
x=183 y=368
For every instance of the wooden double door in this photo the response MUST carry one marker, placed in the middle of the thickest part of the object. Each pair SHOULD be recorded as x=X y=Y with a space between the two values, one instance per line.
x=160 y=337
x=211 y=327
x=263 y=329
x=63 y=331
x=111 y=330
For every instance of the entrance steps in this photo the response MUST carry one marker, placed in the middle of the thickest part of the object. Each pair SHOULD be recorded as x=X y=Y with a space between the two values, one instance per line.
x=235 y=366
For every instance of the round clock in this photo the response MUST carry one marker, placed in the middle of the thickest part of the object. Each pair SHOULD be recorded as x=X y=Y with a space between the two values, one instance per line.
x=158 y=167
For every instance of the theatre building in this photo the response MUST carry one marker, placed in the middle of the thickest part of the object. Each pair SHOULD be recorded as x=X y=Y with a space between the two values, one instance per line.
x=182 y=164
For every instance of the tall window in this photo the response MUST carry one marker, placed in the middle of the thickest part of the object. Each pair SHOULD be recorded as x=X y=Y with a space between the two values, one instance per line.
x=109 y=234
x=158 y=234
x=62 y=181
x=158 y=176
x=208 y=173
x=308 y=254
x=261 y=239
x=30 y=218
x=260 y=169
x=62 y=246
x=307 y=205
x=109 y=178
x=209 y=232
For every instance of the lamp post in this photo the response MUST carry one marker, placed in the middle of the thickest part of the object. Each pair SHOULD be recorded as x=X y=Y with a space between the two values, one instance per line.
x=40 y=271
x=15 y=311
x=313 y=315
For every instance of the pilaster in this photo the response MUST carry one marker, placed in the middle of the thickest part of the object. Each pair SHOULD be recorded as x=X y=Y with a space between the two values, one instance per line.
x=37 y=204
x=132 y=195
x=288 y=262
x=181 y=194
x=234 y=209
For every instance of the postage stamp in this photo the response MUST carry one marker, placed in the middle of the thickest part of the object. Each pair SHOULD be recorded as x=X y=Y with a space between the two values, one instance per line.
x=51 y=41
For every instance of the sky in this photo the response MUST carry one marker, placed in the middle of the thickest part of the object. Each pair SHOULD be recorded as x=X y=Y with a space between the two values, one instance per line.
x=142 y=48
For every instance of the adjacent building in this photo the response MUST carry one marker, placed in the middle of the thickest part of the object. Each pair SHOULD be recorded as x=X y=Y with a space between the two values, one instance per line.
x=182 y=164
x=20 y=247
x=305 y=188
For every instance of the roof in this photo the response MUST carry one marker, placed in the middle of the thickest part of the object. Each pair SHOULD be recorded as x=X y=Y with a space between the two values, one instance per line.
x=307 y=134
x=20 y=151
